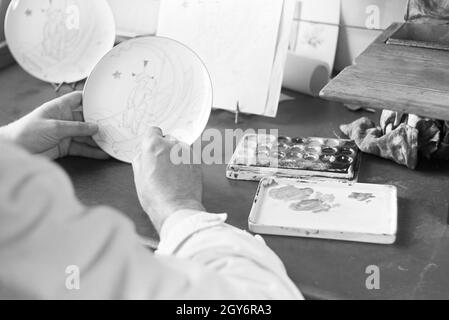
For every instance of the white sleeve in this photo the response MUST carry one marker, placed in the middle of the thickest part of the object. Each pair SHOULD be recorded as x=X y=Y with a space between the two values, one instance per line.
x=45 y=232
x=248 y=265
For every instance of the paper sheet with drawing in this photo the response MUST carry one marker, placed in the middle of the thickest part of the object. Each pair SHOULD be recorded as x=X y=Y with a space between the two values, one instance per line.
x=315 y=30
x=238 y=41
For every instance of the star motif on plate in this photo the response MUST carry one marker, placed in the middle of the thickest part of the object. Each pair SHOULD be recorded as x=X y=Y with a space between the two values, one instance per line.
x=28 y=12
x=117 y=75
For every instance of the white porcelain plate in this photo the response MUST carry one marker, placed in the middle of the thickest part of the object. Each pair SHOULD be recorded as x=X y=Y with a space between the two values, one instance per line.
x=59 y=40
x=143 y=82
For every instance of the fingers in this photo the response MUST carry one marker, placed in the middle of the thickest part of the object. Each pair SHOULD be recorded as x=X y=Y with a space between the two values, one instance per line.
x=72 y=100
x=83 y=150
x=78 y=116
x=70 y=129
x=86 y=140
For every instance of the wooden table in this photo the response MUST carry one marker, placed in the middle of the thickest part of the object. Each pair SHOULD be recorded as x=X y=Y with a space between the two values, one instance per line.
x=415 y=267
x=400 y=78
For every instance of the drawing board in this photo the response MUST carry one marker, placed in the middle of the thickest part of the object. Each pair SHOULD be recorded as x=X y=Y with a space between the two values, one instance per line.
x=143 y=82
x=59 y=40
x=135 y=17
x=238 y=41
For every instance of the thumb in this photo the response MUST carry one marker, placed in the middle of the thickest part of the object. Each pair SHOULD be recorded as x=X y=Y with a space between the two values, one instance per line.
x=69 y=129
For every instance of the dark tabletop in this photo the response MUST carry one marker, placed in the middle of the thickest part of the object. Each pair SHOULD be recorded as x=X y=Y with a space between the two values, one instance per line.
x=414 y=267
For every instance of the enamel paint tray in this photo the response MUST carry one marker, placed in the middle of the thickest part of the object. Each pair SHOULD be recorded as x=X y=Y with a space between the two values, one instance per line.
x=260 y=156
x=326 y=210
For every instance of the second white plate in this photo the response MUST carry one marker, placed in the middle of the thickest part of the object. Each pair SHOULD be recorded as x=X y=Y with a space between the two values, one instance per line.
x=59 y=40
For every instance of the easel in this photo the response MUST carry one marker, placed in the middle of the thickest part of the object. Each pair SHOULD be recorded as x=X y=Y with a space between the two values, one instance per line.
x=58 y=86
x=237 y=113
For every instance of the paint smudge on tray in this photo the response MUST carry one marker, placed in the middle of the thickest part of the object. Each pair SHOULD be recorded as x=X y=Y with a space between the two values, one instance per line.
x=288 y=193
x=322 y=203
x=362 y=197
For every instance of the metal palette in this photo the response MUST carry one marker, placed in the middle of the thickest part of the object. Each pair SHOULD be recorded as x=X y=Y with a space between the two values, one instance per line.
x=260 y=156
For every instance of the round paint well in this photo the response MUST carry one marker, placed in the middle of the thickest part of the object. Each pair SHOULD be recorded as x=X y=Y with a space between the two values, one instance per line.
x=327 y=150
x=343 y=159
x=297 y=148
x=287 y=163
x=315 y=142
x=277 y=154
x=262 y=154
x=282 y=147
x=297 y=140
x=315 y=150
x=347 y=151
x=311 y=157
x=349 y=144
x=284 y=140
x=327 y=158
x=333 y=143
x=294 y=154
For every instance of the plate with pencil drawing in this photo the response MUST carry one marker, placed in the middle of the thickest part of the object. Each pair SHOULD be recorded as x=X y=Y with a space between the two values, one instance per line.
x=59 y=41
x=145 y=82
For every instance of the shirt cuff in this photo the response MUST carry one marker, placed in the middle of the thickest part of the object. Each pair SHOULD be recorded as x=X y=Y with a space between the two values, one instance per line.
x=183 y=224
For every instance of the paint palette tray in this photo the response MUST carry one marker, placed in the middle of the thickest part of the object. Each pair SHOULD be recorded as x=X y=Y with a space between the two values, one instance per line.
x=325 y=210
x=261 y=156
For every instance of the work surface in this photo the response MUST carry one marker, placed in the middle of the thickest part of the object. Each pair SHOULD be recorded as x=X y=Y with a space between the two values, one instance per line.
x=415 y=267
x=401 y=78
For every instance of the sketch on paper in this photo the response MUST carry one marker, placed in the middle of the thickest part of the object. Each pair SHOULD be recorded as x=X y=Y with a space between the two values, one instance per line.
x=147 y=82
x=315 y=30
x=135 y=17
x=59 y=40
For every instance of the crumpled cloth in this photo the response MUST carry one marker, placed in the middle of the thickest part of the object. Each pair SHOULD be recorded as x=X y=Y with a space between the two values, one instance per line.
x=428 y=11
x=402 y=138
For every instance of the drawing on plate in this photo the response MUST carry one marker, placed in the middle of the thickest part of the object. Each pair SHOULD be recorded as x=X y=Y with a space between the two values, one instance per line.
x=60 y=37
x=140 y=106
x=155 y=83
x=138 y=115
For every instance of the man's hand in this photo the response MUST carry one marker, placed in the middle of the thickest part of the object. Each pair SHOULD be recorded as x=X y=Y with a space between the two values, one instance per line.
x=162 y=186
x=56 y=129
